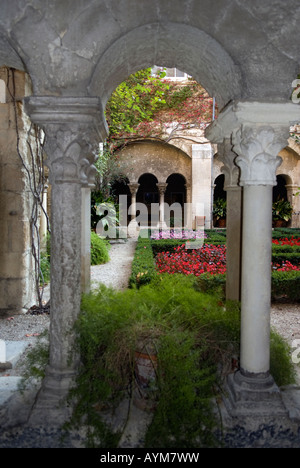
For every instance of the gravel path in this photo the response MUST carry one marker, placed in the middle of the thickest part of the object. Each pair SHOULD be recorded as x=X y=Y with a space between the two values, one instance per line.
x=115 y=273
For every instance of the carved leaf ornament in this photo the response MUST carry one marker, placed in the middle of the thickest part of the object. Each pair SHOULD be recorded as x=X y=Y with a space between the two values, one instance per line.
x=257 y=149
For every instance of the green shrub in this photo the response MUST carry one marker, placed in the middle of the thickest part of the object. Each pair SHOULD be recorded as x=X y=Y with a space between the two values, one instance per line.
x=211 y=283
x=277 y=233
x=192 y=333
x=143 y=264
x=44 y=268
x=99 y=250
x=276 y=249
x=281 y=366
x=165 y=245
x=281 y=257
x=286 y=284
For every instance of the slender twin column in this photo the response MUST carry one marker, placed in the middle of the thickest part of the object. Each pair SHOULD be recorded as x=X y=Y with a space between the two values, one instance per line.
x=73 y=128
x=162 y=186
x=233 y=220
x=133 y=227
x=257 y=148
x=257 y=133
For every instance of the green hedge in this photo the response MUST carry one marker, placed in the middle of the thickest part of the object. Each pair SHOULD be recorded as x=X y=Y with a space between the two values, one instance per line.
x=99 y=250
x=143 y=264
x=285 y=248
x=293 y=257
x=277 y=233
x=286 y=284
x=165 y=245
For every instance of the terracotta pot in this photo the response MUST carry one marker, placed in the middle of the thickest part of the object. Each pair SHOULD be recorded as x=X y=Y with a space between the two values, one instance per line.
x=279 y=223
x=145 y=377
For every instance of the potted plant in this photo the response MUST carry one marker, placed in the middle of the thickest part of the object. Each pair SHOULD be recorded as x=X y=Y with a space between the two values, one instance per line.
x=282 y=212
x=219 y=212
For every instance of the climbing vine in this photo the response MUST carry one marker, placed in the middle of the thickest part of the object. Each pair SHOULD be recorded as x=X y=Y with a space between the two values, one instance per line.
x=147 y=106
x=34 y=169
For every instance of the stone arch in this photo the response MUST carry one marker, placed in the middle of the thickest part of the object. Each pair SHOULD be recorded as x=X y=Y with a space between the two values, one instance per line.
x=148 y=196
x=219 y=191
x=147 y=192
x=158 y=158
x=8 y=55
x=279 y=190
x=175 y=197
x=196 y=53
x=176 y=189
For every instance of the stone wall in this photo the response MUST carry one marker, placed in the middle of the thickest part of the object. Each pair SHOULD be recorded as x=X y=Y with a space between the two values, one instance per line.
x=290 y=170
x=17 y=287
x=158 y=159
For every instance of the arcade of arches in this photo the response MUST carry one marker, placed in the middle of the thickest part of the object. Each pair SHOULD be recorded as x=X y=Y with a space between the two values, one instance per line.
x=67 y=60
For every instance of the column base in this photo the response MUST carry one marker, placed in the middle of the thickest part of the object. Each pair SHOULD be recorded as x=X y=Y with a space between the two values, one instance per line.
x=254 y=395
x=51 y=407
x=162 y=225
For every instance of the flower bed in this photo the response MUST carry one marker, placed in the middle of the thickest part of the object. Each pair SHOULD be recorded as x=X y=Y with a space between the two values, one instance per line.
x=178 y=234
x=210 y=258
x=208 y=264
x=287 y=241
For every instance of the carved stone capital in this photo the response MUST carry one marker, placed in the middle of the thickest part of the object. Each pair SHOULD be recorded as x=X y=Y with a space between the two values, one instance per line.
x=230 y=170
x=162 y=187
x=73 y=128
x=257 y=147
x=133 y=187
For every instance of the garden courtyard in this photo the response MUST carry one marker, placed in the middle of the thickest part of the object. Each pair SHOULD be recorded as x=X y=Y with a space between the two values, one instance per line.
x=165 y=292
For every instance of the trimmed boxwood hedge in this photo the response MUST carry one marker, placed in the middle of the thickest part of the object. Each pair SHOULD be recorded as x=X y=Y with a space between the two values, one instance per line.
x=143 y=264
x=278 y=233
x=285 y=285
x=293 y=257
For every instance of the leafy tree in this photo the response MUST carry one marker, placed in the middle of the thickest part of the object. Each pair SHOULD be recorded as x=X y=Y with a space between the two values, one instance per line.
x=147 y=106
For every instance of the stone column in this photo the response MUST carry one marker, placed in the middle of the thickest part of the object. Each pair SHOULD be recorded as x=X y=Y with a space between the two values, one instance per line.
x=201 y=181
x=188 y=221
x=295 y=202
x=259 y=131
x=162 y=186
x=233 y=220
x=257 y=148
x=73 y=130
x=43 y=218
x=133 y=227
x=85 y=239
x=87 y=184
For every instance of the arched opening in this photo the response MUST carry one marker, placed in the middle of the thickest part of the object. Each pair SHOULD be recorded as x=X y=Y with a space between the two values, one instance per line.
x=195 y=48
x=148 y=195
x=112 y=56
x=282 y=202
x=175 y=198
x=121 y=195
x=219 y=202
x=279 y=190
